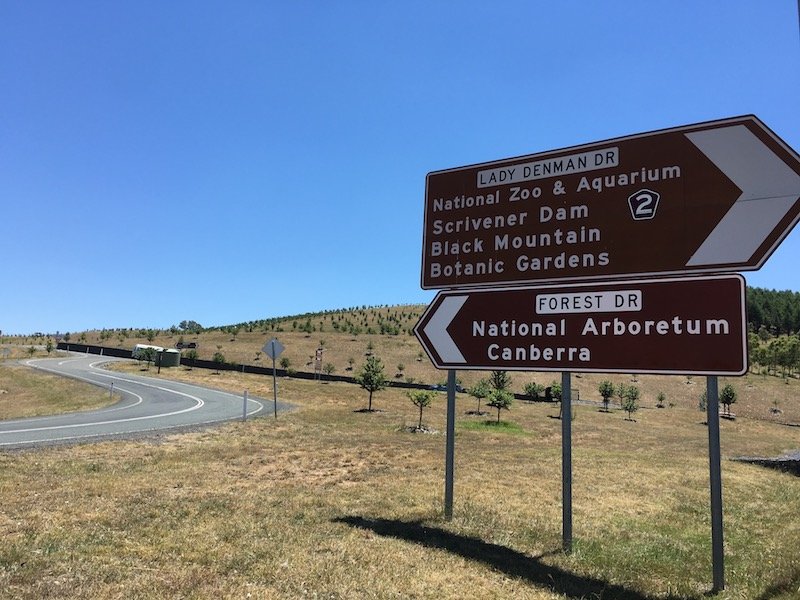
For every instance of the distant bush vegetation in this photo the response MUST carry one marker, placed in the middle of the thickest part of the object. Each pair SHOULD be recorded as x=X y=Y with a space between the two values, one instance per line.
x=772 y=312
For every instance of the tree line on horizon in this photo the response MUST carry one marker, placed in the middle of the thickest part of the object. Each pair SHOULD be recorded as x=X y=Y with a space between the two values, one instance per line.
x=772 y=313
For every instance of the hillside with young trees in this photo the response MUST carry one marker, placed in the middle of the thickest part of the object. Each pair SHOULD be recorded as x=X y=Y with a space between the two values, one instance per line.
x=774 y=321
x=348 y=334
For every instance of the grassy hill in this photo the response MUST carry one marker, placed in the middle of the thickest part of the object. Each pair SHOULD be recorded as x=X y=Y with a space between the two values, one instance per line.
x=347 y=336
x=343 y=335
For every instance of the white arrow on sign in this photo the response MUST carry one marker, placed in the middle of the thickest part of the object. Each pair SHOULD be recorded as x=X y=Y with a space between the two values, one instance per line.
x=436 y=329
x=761 y=176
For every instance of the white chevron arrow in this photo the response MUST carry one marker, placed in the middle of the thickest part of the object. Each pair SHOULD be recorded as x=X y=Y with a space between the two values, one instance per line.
x=769 y=190
x=436 y=330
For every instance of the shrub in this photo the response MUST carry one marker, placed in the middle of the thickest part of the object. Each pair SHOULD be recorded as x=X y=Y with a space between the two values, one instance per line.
x=421 y=399
x=606 y=389
x=479 y=391
x=500 y=399
x=534 y=390
x=372 y=377
x=631 y=401
x=192 y=356
x=500 y=380
x=727 y=397
x=621 y=391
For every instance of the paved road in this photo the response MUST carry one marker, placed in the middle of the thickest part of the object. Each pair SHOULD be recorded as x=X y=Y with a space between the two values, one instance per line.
x=147 y=405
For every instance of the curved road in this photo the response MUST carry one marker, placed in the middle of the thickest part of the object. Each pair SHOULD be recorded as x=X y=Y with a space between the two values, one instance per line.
x=147 y=405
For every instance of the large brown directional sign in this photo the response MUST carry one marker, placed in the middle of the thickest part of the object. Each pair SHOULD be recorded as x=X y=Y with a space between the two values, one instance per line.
x=694 y=325
x=712 y=197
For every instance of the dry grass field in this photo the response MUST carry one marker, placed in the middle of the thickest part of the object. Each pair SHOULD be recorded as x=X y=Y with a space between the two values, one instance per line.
x=329 y=502
x=22 y=395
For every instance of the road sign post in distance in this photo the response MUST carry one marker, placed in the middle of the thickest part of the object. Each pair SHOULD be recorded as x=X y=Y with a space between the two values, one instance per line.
x=693 y=325
x=273 y=349
x=705 y=198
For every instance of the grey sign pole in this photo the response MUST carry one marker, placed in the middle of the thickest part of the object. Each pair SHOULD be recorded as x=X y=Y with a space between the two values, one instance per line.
x=717 y=551
x=273 y=349
x=274 y=389
x=566 y=461
x=244 y=406
x=449 y=461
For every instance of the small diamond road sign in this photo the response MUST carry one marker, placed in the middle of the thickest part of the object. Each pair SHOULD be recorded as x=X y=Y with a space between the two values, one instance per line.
x=273 y=348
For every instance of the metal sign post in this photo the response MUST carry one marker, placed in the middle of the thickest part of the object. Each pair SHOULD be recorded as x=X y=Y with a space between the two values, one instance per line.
x=273 y=349
x=450 y=451
x=318 y=364
x=715 y=471
x=274 y=390
x=566 y=461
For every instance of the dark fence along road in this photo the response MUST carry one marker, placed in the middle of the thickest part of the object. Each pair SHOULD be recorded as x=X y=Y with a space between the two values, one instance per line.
x=228 y=366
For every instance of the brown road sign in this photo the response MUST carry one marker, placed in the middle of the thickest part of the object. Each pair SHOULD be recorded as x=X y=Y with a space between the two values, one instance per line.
x=711 y=197
x=693 y=325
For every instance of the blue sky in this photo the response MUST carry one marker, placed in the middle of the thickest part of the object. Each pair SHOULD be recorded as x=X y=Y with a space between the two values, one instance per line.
x=229 y=161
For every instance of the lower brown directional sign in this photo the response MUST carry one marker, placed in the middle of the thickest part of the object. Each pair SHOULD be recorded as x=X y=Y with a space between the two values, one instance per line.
x=693 y=325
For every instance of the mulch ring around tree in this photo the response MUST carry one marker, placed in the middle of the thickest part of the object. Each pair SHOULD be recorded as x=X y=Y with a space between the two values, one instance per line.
x=423 y=429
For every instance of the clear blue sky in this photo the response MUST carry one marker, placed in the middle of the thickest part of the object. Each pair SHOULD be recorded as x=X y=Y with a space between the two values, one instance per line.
x=229 y=161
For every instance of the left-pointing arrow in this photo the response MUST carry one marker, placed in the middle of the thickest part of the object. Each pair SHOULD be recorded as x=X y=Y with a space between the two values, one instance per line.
x=436 y=330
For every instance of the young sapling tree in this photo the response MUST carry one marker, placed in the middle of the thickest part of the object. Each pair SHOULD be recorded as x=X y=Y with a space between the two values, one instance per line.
x=727 y=396
x=479 y=391
x=421 y=399
x=501 y=400
x=372 y=377
x=606 y=389
x=630 y=402
x=534 y=390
